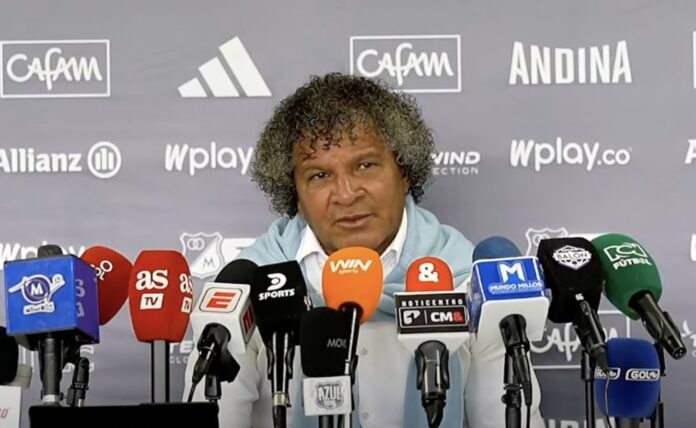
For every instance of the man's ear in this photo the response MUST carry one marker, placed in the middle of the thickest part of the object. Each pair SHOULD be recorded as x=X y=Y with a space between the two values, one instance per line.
x=405 y=181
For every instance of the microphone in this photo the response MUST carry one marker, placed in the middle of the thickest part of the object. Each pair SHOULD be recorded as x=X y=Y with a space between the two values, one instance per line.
x=633 y=286
x=279 y=298
x=324 y=344
x=223 y=321
x=352 y=281
x=9 y=356
x=53 y=303
x=508 y=302
x=160 y=297
x=113 y=272
x=573 y=272
x=432 y=322
x=631 y=387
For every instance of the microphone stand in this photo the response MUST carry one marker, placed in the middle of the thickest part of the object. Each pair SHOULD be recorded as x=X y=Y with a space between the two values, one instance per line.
x=213 y=388
x=159 y=371
x=657 y=419
x=512 y=397
x=587 y=367
x=355 y=312
x=78 y=389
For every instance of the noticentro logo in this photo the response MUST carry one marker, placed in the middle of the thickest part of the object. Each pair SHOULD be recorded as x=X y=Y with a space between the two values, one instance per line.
x=55 y=69
x=424 y=63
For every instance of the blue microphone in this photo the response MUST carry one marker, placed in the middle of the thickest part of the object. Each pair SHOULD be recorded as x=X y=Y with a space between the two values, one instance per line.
x=53 y=303
x=634 y=379
x=508 y=302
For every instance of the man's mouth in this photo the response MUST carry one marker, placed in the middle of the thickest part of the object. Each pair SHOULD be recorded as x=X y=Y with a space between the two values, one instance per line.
x=354 y=221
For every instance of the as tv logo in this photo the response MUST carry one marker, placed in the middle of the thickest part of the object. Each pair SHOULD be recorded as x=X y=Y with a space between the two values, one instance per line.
x=221 y=300
x=350 y=266
x=151 y=301
x=155 y=280
x=507 y=270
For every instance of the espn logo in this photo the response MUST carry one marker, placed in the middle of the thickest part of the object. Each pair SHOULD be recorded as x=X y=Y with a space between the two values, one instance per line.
x=248 y=322
x=218 y=299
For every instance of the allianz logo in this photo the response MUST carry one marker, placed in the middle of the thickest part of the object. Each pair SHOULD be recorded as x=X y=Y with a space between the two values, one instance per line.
x=189 y=159
x=537 y=155
x=15 y=251
x=534 y=65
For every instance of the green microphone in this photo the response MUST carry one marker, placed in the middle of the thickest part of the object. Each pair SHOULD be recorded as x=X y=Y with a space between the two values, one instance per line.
x=633 y=285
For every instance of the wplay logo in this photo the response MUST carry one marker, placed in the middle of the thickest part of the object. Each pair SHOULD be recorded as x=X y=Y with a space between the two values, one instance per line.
x=572 y=257
x=55 y=69
x=537 y=155
x=417 y=64
x=219 y=81
x=37 y=291
x=208 y=252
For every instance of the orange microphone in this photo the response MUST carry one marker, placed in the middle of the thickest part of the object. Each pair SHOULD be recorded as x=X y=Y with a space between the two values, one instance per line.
x=352 y=282
x=113 y=272
x=160 y=294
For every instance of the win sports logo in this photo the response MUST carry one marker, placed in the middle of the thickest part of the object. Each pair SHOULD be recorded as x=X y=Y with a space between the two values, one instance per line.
x=219 y=79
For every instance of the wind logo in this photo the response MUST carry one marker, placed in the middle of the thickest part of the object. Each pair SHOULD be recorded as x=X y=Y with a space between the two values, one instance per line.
x=219 y=81
x=691 y=152
x=207 y=253
x=350 y=266
x=16 y=251
x=529 y=153
x=572 y=257
x=456 y=163
x=416 y=64
x=627 y=254
x=103 y=161
x=562 y=66
x=37 y=291
x=55 y=69
x=185 y=158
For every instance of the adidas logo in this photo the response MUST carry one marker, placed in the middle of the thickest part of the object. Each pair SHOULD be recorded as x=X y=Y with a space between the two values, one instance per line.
x=220 y=82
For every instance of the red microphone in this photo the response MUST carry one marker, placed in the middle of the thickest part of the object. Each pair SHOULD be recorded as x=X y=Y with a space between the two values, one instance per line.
x=113 y=272
x=429 y=274
x=160 y=293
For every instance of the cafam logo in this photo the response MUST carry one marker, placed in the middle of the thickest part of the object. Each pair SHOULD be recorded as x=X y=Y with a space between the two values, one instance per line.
x=416 y=63
x=102 y=160
x=37 y=291
x=207 y=253
x=545 y=65
x=538 y=155
x=55 y=69
x=192 y=160
x=572 y=257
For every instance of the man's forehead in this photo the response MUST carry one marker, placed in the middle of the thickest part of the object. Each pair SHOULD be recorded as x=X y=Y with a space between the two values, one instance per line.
x=361 y=142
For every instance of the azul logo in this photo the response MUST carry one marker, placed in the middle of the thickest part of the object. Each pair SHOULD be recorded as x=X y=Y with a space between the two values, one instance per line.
x=337 y=342
x=650 y=375
x=191 y=160
x=329 y=395
x=103 y=161
x=572 y=257
x=614 y=373
x=562 y=66
x=207 y=252
x=410 y=315
x=55 y=69
x=456 y=163
x=37 y=291
x=529 y=153
x=627 y=254
x=350 y=266
x=278 y=281
x=219 y=81
x=690 y=153
x=415 y=64
x=16 y=251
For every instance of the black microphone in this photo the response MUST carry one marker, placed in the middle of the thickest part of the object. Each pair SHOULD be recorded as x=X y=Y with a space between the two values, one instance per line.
x=324 y=334
x=573 y=272
x=279 y=298
x=9 y=354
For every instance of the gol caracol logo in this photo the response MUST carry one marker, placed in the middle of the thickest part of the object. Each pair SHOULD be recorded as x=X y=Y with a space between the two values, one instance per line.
x=538 y=155
x=416 y=64
x=37 y=291
x=572 y=257
x=55 y=69
x=207 y=253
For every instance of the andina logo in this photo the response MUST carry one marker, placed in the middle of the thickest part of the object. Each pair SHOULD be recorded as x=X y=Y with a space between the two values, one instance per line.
x=350 y=266
x=37 y=291
x=529 y=153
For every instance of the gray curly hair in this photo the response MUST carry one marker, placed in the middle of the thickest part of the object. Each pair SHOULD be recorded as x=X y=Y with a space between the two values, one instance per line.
x=323 y=109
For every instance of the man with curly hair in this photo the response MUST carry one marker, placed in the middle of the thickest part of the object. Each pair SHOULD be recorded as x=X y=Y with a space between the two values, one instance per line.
x=344 y=161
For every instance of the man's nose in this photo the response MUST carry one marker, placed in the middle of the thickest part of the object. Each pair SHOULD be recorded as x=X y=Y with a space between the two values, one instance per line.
x=348 y=189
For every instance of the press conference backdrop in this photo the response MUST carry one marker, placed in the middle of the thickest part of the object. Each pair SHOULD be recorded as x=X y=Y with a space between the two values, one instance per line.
x=131 y=124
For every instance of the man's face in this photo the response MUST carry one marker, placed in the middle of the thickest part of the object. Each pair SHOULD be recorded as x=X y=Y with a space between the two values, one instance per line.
x=351 y=195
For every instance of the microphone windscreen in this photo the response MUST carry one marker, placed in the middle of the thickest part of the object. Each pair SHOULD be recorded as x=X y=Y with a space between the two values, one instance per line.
x=113 y=272
x=429 y=274
x=353 y=275
x=496 y=247
x=239 y=271
x=634 y=379
x=324 y=342
x=9 y=355
x=571 y=266
x=49 y=250
x=279 y=298
x=629 y=269
x=160 y=293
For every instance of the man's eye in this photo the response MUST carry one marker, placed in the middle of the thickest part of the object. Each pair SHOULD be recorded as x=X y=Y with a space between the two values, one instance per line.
x=318 y=176
x=366 y=165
